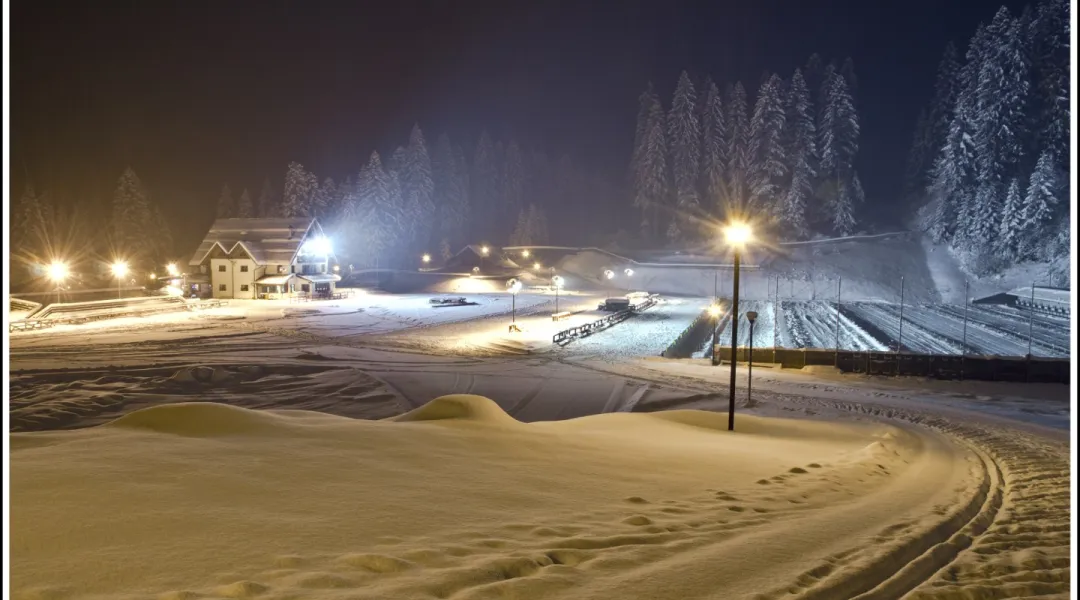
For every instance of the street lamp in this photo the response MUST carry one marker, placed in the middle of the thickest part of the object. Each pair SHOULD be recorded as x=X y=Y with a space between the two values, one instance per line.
x=715 y=311
x=629 y=273
x=58 y=272
x=557 y=282
x=119 y=269
x=536 y=266
x=513 y=286
x=737 y=236
x=483 y=255
x=750 y=316
x=426 y=258
x=609 y=275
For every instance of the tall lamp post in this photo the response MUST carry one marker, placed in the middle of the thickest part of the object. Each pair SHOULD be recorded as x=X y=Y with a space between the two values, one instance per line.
x=629 y=273
x=609 y=275
x=737 y=236
x=513 y=286
x=58 y=272
x=483 y=255
x=750 y=316
x=119 y=269
x=557 y=283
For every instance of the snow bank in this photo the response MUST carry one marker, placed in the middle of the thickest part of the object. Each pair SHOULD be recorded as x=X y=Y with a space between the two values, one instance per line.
x=199 y=500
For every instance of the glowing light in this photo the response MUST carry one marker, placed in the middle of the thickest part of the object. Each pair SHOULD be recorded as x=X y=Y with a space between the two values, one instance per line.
x=119 y=268
x=715 y=310
x=484 y=250
x=525 y=253
x=609 y=274
x=337 y=268
x=629 y=272
x=318 y=246
x=172 y=269
x=174 y=291
x=426 y=258
x=153 y=276
x=513 y=286
x=558 y=281
x=58 y=271
x=536 y=266
x=738 y=234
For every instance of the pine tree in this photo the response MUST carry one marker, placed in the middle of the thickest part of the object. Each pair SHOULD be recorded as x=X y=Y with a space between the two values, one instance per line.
x=645 y=103
x=813 y=74
x=684 y=142
x=484 y=186
x=226 y=208
x=299 y=191
x=943 y=105
x=324 y=200
x=799 y=133
x=840 y=143
x=537 y=224
x=1001 y=95
x=461 y=205
x=268 y=202
x=417 y=187
x=921 y=149
x=28 y=223
x=444 y=250
x=1050 y=55
x=738 y=122
x=379 y=221
x=847 y=71
x=161 y=242
x=1044 y=189
x=522 y=235
x=131 y=217
x=512 y=194
x=1010 y=229
x=768 y=166
x=443 y=180
x=244 y=208
x=714 y=151
x=651 y=180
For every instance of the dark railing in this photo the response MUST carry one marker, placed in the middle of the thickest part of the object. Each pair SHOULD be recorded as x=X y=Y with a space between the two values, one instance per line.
x=566 y=336
x=691 y=339
x=937 y=366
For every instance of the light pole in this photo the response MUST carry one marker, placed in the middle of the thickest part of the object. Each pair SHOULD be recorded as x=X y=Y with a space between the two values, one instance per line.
x=58 y=271
x=715 y=311
x=750 y=316
x=483 y=254
x=609 y=275
x=513 y=286
x=963 y=348
x=629 y=273
x=119 y=269
x=737 y=235
x=557 y=282
x=426 y=259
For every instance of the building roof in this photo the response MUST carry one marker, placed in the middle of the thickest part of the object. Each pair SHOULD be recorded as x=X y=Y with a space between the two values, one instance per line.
x=264 y=240
x=319 y=277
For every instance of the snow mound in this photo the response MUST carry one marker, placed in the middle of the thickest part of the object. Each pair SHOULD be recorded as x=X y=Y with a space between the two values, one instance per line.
x=201 y=419
x=201 y=374
x=466 y=407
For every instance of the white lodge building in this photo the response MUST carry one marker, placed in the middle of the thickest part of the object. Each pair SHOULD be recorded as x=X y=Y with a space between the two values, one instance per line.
x=266 y=258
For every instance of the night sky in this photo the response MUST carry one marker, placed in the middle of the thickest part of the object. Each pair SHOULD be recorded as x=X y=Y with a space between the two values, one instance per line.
x=195 y=94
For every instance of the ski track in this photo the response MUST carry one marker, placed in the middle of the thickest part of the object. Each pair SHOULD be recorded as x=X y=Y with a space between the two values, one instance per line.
x=1048 y=339
x=913 y=336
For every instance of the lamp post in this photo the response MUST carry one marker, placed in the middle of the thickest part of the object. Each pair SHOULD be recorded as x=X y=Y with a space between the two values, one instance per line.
x=609 y=275
x=119 y=269
x=750 y=316
x=483 y=254
x=737 y=235
x=426 y=259
x=513 y=286
x=58 y=271
x=715 y=311
x=557 y=282
x=629 y=273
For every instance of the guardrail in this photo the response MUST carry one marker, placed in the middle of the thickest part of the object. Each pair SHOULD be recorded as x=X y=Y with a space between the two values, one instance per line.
x=566 y=336
x=84 y=312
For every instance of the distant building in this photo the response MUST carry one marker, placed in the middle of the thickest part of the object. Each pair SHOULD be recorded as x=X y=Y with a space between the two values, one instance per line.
x=265 y=258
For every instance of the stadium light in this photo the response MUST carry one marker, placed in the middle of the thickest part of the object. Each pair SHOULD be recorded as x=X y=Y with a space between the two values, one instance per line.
x=318 y=246
x=119 y=269
x=58 y=272
x=609 y=274
x=172 y=269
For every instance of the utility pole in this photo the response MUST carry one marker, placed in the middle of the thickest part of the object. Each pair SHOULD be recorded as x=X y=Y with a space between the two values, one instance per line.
x=837 y=359
x=963 y=349
x=900 y=341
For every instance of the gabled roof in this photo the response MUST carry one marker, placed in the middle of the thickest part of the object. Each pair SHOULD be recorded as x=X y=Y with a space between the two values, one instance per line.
x=265 y=240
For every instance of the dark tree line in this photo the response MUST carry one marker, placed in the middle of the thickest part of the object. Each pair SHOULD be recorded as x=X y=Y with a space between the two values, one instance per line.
x=787 y=161
x=990 y=154
x=433 y=199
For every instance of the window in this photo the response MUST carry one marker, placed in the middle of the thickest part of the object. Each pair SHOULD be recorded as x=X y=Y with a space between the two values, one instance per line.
x=222 y=288
x=305 y=287
x=243 y=268
x=292 y=268
x=243 y=288
x=221 y=268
